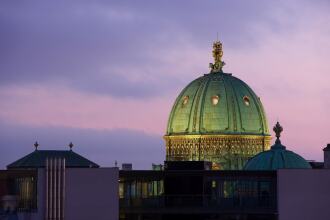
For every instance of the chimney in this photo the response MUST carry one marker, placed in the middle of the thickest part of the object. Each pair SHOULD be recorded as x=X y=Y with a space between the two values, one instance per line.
x=327 y=157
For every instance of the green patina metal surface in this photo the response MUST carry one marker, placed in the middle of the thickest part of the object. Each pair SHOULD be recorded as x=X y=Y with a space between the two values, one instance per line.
x=194 y=113
x=277 y=158
x=38 y=158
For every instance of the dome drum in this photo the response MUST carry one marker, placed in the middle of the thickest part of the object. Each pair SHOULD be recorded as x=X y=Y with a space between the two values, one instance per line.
x=227 y=151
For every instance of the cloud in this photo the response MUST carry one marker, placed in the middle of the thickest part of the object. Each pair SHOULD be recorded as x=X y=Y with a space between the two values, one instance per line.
x=101 y=146
x=290 y=71
x=39 y=105
x=120 y=49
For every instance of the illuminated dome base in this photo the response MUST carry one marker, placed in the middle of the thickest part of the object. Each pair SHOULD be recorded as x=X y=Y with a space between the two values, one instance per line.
x=227 y=152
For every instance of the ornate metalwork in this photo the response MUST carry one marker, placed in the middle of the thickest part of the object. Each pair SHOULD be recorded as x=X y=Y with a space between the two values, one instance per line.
x=225 y=151
x=217 y=55
x=278 y=130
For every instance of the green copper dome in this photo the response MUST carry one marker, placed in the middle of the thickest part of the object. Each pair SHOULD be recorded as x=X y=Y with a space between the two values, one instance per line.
x=217 y=118
x=277 y=157
x=217 y=103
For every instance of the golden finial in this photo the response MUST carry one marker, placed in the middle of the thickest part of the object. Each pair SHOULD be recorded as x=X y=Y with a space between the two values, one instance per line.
x=217 y=55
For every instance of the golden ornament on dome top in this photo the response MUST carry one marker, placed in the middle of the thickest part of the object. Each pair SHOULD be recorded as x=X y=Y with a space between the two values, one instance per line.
x=217 y=55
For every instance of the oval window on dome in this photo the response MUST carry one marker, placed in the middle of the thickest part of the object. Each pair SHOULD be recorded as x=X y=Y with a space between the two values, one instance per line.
x=215 y=99
x=246 y=100
x=185 y=100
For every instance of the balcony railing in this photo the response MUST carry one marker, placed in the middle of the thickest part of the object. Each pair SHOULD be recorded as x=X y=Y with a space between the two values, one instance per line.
x=203 y=202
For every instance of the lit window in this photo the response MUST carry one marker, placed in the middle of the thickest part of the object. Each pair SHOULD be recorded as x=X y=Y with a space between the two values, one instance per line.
x=246 y=100
x=185 y=100
x=215 y=100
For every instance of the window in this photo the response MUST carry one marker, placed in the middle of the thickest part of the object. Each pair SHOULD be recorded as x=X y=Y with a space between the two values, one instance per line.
x=246 y=100
x=185 y=100
x=215 y=99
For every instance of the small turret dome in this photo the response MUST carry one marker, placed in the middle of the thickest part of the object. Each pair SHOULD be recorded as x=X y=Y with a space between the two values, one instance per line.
x=277 y=157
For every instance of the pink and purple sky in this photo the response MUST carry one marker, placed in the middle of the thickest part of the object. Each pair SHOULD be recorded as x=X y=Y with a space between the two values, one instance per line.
x=104 y=74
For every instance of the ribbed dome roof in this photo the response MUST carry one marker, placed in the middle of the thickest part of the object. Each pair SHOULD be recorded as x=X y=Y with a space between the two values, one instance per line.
x=277 y=157
x=217 y=103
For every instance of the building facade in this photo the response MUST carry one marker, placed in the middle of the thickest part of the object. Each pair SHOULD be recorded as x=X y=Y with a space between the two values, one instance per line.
x=58 y=185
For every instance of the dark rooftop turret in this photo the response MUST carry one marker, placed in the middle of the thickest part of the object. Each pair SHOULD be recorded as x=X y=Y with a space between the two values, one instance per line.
x=277 y=157
x=37 y=159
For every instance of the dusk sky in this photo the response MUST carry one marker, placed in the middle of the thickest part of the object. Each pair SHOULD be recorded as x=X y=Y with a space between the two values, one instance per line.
x=104 y=74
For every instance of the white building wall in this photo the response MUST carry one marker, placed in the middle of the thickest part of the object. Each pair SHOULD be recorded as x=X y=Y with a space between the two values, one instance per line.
x=304 y=194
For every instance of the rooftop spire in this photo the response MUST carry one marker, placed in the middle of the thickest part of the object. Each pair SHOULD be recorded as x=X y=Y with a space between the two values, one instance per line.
x=217 y=53
x=71 y=146
x=36 y=145
x=278 y=130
